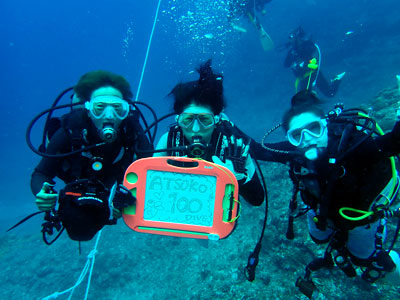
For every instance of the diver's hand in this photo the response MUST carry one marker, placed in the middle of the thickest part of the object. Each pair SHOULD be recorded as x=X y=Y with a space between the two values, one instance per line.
x=46 y=199
x=229 y=165
x=237 y=151
x=116 y=213
x=123 y=198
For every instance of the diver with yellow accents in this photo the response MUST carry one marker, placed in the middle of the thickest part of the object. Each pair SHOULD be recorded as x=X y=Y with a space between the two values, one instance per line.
x=304 y=59
x=342 y=166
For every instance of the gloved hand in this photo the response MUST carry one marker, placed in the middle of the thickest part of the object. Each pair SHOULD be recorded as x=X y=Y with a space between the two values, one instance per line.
x=229 y=165
x=46 y=199
x=123 y=198
x=237 y=151
x=116 y=213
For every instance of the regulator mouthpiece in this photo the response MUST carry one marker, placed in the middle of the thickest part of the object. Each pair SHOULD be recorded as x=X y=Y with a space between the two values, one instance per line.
x=108 y=134
x=197 y=148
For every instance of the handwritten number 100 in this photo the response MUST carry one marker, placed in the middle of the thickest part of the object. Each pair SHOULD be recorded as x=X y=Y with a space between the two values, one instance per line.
x=185 y=205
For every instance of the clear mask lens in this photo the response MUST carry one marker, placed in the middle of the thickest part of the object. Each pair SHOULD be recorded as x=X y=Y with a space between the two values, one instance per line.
x=206 y=120
x=296 y=135
x=103 y=106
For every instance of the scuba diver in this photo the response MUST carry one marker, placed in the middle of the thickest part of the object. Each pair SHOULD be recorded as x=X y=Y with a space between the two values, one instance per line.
x=345 y=174
x=89 y=149
x=304 y=59
x=250 y=8
x=208 y=134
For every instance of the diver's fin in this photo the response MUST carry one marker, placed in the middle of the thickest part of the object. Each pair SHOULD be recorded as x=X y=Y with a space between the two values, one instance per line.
x=238 y=28
x=266 y=41
x=339 y=76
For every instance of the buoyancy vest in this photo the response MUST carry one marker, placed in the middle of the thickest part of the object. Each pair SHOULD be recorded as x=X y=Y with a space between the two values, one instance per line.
x=81 y=133
x=351 y=181
x=220 y=140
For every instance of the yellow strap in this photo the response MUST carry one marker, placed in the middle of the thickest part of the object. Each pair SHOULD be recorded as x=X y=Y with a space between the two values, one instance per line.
x=296 y=84
x=309 y=78
x=219 y=167
x=298 y=79
x=239 y=212
x=366 y=214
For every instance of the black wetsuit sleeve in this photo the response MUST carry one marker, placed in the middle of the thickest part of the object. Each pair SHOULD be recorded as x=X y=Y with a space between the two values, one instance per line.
x=47 y=168
x=374 y=149
x=388 y=144
x=252 y=191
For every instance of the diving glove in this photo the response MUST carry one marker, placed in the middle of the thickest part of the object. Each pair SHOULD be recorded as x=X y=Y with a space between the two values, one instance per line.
x=237 y=151
x=123 y=198
x=235 y=155
x=116 y=213
x=229 y=165
x=47 y=197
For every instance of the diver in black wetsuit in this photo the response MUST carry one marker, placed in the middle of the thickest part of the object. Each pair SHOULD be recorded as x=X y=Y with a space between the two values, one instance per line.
x=200 y=121
x=346 y=180
x=106 y=121
x=301 y=51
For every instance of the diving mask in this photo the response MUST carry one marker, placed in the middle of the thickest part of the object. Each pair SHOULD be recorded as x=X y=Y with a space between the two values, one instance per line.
x=314 y=129
x=106 y=106
x=205 y=120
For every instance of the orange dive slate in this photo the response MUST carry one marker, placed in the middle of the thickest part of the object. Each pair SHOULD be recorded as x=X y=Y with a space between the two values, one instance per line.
x=181 y=197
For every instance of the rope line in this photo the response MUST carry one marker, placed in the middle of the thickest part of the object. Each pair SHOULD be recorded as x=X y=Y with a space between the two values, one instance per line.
x=89 y=265
x=147 y=52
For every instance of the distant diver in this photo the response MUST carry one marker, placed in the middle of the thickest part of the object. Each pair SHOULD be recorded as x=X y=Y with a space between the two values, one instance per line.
x=250 y=8
x=304 y=59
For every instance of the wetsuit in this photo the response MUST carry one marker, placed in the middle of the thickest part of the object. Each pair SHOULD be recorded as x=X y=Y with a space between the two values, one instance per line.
x=250 y=188
x=298 y=58
x=78 y=131
x=355 y=181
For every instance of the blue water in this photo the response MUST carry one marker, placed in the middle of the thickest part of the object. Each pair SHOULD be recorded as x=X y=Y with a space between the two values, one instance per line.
x=47 y=45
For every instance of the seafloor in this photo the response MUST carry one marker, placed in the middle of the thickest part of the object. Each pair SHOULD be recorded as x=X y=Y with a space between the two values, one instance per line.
x=131 y=265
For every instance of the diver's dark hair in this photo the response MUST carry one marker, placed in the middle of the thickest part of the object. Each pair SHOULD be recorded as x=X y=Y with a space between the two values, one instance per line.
x=93 y=80
x=303 y=101
x=207 y=91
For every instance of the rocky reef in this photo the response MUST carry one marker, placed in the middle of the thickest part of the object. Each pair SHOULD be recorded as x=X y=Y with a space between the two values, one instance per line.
x=130 y=265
